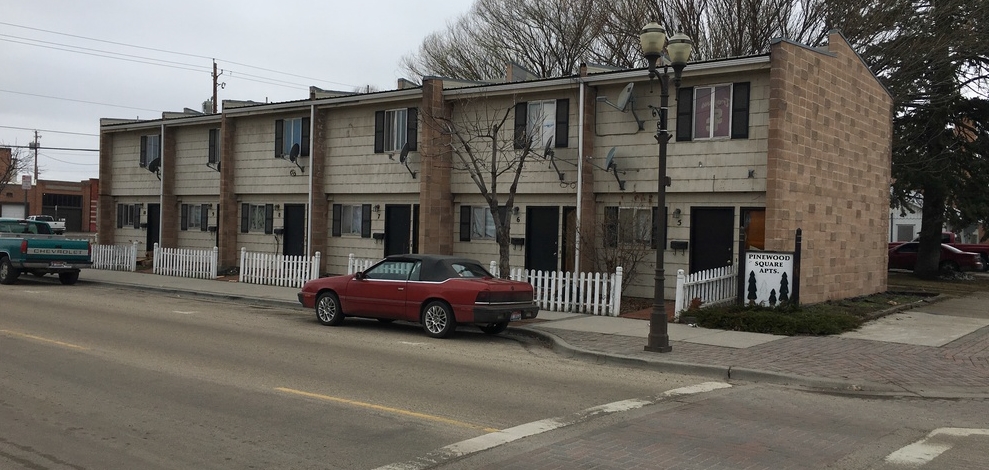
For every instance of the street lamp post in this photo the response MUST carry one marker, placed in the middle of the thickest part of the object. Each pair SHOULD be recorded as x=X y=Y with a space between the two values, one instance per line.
x=653 y=41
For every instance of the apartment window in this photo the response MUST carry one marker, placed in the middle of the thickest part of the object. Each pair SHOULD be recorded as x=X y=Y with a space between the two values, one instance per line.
x=394 y=128
x=291 y=132
x=352 y=219
x=712 y=112
x=257 y=218
x=477 y=223
x=542 y=123
x=150 y=149
x=213 y=156
x=194 y=216
x=128 y=215
x=632 y=225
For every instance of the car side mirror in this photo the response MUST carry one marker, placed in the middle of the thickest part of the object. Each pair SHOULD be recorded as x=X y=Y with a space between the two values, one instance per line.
x=359 y=275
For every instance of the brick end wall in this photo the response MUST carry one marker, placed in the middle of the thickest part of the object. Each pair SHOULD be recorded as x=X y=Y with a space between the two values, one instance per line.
x=318 y=211
x=106 y=220
x=169 y=202
x=436 y=226
x=588 y=202
x=830 y=138
x=229 y=224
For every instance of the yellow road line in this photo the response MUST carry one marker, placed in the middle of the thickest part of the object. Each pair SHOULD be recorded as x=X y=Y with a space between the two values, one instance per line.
x=46 y=340
x=372 y=406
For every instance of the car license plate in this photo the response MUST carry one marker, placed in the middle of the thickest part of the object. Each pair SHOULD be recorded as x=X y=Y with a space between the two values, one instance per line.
x=59 y=265
x=516 y=316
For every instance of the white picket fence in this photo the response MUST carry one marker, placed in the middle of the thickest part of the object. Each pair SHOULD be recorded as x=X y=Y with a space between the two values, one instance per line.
x=183 y=262
x=277 y=270
x=713 y=287
x=576 y=292
x=355 y=264
x=115 y=257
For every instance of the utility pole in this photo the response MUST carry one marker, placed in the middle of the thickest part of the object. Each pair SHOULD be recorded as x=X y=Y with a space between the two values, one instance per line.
x=216 y=84
x=34 y=146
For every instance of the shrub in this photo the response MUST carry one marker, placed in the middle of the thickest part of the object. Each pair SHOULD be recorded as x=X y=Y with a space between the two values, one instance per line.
x=784 y=321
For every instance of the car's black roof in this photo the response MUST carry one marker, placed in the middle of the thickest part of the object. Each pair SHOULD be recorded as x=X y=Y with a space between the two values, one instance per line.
x=436 y=267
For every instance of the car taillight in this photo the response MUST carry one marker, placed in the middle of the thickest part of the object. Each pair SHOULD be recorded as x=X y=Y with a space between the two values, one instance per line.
x=483 y=297
x=23 y=247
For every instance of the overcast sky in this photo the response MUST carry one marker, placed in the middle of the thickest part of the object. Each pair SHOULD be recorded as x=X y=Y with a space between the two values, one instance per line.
x=56 y=76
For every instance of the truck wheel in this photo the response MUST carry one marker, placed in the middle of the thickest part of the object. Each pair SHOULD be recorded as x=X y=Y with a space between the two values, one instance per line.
x=68 y=278
x=985 y=262
x=8 y=273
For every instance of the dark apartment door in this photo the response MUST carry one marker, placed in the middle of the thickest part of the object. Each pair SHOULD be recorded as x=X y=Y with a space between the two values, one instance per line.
x=542 y=233
x=415 y=228
x=294 y=238
x=398 y=226
x=711 y=237
x=154 y=225
x=569 y=238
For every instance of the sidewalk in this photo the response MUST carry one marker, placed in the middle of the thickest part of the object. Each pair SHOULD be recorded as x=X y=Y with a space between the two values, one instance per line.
x=935 y=349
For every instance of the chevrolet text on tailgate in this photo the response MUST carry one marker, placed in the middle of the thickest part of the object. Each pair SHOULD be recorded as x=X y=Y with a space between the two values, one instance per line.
x=28 y=246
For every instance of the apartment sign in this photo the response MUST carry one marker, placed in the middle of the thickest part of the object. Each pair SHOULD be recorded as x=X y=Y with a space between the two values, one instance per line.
x=768 y=278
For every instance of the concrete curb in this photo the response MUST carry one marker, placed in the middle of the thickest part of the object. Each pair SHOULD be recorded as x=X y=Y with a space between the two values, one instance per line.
x=216 y=295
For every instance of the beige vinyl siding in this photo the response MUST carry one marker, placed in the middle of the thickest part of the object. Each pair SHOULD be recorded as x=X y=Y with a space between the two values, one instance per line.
x=352 y=167
x=258 y=241
x=192 y=176
x=196 y=238
x=129 y=179
x=257 y=169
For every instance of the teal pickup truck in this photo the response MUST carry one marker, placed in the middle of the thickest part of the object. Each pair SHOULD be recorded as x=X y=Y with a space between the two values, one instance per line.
x=27 y=246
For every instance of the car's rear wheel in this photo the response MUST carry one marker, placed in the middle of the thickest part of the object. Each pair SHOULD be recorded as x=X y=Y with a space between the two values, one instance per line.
x=328 y=310
x=494 y=328
x=438 y=319
x=8 y=273
x=948 y=267
x=68 y=278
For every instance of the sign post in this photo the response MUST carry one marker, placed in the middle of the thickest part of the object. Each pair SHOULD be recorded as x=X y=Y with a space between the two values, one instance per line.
x=26 y=186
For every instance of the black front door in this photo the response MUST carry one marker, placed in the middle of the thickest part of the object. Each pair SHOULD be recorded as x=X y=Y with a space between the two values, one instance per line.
x=154 y=225
x=542 y=232
x=294 y=238
x=398 y=224
x=711 y=237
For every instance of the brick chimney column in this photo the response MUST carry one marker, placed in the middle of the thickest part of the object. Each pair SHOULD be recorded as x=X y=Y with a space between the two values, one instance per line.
x=435 y=197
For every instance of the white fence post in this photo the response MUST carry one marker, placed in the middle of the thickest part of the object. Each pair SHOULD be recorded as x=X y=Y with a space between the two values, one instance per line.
x=155 y=262
x=616 y=292
x=678 y=303
x=242 y=277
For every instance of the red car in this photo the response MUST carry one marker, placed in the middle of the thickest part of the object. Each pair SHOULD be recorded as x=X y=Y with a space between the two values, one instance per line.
x=439 y=292
x=904 y=256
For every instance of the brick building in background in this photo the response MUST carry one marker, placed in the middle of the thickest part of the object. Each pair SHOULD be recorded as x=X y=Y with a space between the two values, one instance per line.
x=74 y=201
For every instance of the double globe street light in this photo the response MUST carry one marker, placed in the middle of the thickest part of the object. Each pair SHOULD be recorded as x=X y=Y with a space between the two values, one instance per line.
x=653 y=41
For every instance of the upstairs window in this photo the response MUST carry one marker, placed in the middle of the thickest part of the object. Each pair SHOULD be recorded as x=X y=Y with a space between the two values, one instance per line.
x=213 y=155
x=290 y=132
x=542 y=123
x=394 y=128
x=713 y=112
x=150 y=149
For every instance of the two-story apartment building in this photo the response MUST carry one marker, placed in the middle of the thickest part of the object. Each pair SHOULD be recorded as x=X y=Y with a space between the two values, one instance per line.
x=796 y=138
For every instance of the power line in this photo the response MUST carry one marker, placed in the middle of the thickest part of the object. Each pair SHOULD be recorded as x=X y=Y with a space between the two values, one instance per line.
x=79 y=101
x=52 y=148
x=47 y=130
x=68 y=163
x=97 y=50
x=171 y=52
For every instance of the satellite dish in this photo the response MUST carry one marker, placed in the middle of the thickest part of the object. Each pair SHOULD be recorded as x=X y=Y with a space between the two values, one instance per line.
x=154 y=165
x=402 y=157
x=624 y=97
x=548 y=151
x=293 y=154
x=610 y=160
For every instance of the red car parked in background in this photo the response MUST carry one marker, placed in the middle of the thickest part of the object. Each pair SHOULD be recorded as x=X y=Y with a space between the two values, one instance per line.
x=439 y=292
x=904 y=256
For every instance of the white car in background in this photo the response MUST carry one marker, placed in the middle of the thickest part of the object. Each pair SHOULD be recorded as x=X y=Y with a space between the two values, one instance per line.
x=58 y=226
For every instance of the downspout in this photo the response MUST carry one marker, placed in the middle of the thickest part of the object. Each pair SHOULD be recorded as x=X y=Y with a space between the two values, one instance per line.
x=161 y=182
x=312 y=154
x=580 y=171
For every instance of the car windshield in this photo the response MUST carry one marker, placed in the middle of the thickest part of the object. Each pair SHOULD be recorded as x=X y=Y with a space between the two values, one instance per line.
x=470 y=270
x=46 y=218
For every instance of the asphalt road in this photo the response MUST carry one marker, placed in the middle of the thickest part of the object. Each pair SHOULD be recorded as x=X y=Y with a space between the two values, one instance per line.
x=96 y=377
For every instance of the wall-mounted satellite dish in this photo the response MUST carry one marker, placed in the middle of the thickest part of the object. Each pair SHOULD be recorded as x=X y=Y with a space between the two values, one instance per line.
x=551 y=155
x=154 y=166
x=609 y=160
x=293 y=156
x=625 y=102
x=403 y=158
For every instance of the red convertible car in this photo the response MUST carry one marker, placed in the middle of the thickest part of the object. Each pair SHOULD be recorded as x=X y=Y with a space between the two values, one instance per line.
x=904 y=256
x=436 y=291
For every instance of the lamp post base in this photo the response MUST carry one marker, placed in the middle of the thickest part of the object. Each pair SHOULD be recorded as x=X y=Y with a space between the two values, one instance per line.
x=660 y=344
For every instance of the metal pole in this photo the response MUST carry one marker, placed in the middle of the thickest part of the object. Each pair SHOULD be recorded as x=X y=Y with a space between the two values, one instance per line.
x=659 y=338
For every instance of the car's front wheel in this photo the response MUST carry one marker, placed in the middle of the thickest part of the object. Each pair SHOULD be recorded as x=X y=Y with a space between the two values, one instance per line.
x=494 y=328
x=328 y=310
x=438 y=319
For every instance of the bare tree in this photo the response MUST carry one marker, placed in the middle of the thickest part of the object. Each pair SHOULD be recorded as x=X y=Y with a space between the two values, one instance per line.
x=10 y=169
x=625 y=239
x=481 y=148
